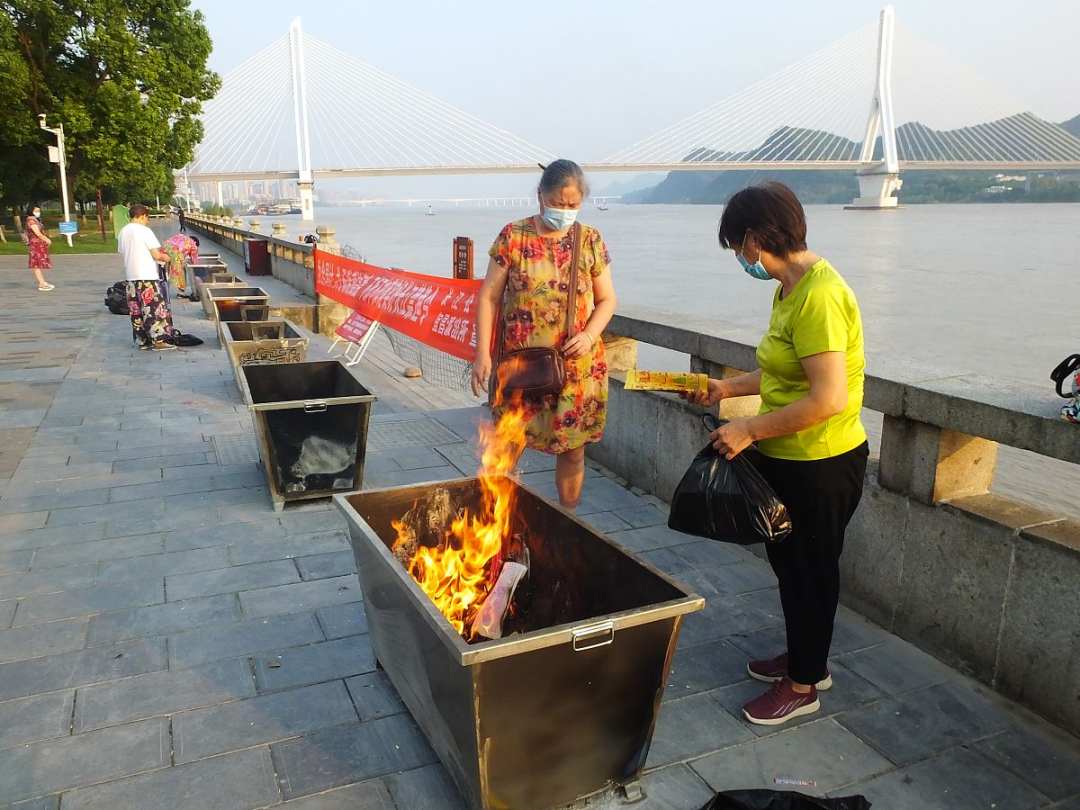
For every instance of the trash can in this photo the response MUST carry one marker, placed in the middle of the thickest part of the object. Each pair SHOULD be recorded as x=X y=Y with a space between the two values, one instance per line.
x=199 y=273
x=213 y=294
x=311 y=423
x=262 y=341
x=257 y=257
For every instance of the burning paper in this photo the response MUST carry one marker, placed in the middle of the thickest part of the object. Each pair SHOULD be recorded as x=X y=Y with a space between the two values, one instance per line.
x=690 y=382
x=488 y=621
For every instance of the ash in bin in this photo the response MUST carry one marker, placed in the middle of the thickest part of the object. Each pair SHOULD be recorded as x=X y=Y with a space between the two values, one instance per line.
x=427 y=522
x=321 y=462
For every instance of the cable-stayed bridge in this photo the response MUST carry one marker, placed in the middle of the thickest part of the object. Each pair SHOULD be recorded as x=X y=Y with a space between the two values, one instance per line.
x=877 y=102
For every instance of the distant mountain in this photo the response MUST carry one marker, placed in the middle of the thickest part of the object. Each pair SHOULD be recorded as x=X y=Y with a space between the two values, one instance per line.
x=1072 y=126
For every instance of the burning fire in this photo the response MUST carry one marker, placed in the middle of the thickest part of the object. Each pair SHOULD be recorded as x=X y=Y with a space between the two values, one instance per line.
x=457 y=574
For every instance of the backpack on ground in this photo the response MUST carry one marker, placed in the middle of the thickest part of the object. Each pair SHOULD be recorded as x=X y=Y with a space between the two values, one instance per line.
x=116 y=298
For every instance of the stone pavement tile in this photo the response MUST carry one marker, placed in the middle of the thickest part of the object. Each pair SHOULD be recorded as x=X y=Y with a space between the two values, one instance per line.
x=252 y=499
x=204 y=732
x=422 y=788
x=350 y=753
x=117 y=548
x=300 y=596
x=162 y=462
x=1069 y=804
x=919 y=724
x=287 y=547
x=243 y=638
x=895 y=666
x=235 y=578
x=156 y=566
x=223 y=535
x=24 y=643
x=161 y=693
x=322 y=566
x=651 y=537
x=52 y=580
x=956 y=780
x=314 y=663
x=417 y=458
x=1045 y=757
x=342 y=620
x=374 y=696
x=12 y=562
x=53 y=765
x=690 y=727
x=606 y=522
x=43 y=803
x=7 y=613
x=723 y=616
x=239 y=781
x=151 y=507
x=766 y=600
x=822 y=751
x=703 y=668
x=309 y=522
x=401 y=478
x=21 y=522
x=710 y=554
x=39 y=717
x=370 y=795
x=675 y=787
x=63 y=536
x=644 y=516
x=156 y=620
x=52 y=500
x=87 y=601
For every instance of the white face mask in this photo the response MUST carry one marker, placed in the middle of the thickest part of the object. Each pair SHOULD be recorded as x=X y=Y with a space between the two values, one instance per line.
x=559 y=218
x=37 y=214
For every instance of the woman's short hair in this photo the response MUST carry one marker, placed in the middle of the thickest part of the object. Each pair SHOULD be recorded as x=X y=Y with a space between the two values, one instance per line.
x=560 y=173
x=138 y=210
x=772 y=212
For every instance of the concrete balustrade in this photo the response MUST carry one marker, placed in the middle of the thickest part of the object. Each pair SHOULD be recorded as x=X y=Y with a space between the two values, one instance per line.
x=984 y=582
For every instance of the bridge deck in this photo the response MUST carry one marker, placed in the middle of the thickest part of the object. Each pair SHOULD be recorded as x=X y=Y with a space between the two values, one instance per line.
x=165 y=634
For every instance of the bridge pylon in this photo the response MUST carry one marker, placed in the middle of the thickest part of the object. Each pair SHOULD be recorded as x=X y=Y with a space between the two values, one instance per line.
x=879 y=180
x=305 y=179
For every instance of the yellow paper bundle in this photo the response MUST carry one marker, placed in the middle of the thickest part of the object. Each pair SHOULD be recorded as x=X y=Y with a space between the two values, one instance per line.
x=687 y=381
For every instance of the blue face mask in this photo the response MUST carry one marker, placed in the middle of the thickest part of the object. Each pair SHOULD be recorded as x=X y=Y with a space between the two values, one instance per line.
x=757 y=269
x=559 y=218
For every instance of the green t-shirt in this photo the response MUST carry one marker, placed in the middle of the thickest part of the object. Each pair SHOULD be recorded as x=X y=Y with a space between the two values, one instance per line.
x=820 y=315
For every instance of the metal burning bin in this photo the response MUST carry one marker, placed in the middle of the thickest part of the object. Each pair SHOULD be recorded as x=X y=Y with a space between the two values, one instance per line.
x=311 y=423
x=229 y=302
x=249 y=342
x=563 y=709
x=200 y=272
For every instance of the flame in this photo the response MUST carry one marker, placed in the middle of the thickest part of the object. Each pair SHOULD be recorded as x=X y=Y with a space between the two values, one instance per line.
x=456 y=575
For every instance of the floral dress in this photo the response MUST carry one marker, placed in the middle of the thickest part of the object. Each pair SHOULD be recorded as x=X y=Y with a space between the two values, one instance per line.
x=534 y=314
x=38 y=247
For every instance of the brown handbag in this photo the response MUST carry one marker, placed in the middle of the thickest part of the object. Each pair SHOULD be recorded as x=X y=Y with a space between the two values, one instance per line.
x=539 y=371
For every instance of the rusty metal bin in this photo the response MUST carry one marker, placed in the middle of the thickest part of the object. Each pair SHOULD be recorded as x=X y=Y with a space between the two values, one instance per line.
x=562 y=709
x=198 y=273
x=211 y=284
x=311 y=423
x=229 y=299
x=262 y=341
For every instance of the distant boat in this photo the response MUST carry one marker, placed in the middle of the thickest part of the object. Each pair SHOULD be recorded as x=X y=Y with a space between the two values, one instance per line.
x=601 y=206
x=430 y=211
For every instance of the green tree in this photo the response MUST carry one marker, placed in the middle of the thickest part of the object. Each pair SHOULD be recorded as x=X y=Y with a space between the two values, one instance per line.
x=126 y=78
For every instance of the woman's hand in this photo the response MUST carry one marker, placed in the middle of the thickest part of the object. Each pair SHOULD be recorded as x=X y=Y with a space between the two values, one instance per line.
x=481 y=373
x=732 y=438
x=578 y=346
x=715 y=393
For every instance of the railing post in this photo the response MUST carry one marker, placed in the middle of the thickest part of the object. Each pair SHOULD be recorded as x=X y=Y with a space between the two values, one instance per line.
x=331 y=313
x=327 y=240
x=278 y=229
x=932 y=464
x=254 y=225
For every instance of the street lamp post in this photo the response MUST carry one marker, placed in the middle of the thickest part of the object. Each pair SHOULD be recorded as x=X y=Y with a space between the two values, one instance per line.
x=62 y=160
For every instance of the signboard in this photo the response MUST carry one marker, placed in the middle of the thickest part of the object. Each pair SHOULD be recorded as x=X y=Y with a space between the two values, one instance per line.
x=463 y=257
x=54 y=155
x=439 y=312
x=69 y=227
x=354 y=328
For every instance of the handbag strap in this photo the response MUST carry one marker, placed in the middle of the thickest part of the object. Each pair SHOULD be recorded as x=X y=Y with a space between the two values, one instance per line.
x=571 y=297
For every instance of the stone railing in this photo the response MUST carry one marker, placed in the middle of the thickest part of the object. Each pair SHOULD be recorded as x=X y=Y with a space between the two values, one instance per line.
x=988 y=584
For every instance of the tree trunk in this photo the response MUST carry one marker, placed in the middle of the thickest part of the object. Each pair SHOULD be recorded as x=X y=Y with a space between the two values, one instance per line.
x=100 y=216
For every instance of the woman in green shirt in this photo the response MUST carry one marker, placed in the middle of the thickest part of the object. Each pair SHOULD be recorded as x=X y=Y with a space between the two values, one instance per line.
x=812 y=443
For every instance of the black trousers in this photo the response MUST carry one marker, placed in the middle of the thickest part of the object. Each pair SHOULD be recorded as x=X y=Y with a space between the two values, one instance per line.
x=821 y=497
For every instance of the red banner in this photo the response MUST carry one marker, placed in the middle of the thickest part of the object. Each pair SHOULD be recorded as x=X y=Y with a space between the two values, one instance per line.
x=439 y=312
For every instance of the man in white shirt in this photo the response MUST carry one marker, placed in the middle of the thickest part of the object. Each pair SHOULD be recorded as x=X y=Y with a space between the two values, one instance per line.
x=151 y=320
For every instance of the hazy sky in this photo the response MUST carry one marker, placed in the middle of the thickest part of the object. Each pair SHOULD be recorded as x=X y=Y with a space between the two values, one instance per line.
x=586 y=78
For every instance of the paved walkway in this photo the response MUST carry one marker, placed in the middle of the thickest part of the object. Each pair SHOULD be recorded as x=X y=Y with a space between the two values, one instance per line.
x=168 y=641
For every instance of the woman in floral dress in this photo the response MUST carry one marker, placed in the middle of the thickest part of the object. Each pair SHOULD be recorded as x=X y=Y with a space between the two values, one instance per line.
x=527 y=285
x=37 y=243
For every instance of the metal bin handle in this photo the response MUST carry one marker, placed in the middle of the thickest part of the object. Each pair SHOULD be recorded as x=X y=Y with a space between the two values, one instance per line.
x=314 y=407
x=595 y=635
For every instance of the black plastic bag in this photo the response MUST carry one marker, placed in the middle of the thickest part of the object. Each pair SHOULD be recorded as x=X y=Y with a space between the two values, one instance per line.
x=781 y=800
x=727 y=500
x=116 y=298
